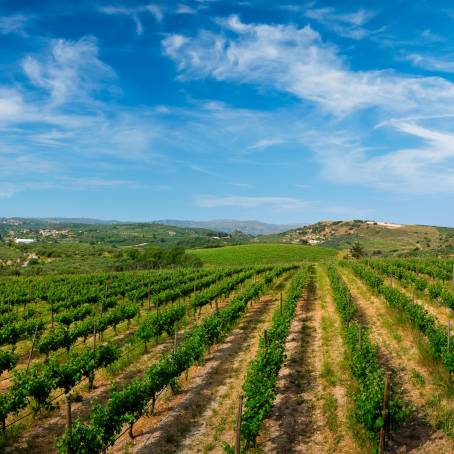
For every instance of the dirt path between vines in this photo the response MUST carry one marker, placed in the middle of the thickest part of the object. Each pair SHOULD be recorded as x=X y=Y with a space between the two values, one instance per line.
x=310 y=409
x=40 y=438
x=398 y=345
x=176 y=415
x=215 y=426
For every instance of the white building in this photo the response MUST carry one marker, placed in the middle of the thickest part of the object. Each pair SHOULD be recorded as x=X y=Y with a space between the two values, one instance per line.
x=24 y=240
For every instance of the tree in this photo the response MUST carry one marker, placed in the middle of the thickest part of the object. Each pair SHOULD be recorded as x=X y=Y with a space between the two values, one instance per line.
x=357 y=251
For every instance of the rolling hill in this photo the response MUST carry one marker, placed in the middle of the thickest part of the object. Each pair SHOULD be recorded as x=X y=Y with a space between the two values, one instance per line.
x=232 y=225
x=376 y=237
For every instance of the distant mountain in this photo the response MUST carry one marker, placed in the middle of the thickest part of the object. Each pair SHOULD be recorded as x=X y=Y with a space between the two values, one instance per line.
x=80 y=221
x=230 y=225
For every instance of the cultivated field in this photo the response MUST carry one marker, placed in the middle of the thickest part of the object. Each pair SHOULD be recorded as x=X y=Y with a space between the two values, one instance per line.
x=253 y=254
x=352 y=356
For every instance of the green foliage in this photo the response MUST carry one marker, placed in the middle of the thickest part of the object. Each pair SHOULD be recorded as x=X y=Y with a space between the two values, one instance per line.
x=416 y=314
x=363 y=362
x=357 y=251
x=126 y=405
x=260 y=384
x=258 y=254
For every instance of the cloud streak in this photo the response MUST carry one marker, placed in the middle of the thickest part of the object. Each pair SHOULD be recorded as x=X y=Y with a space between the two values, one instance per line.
x=270 y=202
x=297 y=61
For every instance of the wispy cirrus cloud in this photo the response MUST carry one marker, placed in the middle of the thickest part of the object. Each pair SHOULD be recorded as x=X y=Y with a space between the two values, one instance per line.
x=347 y=25
x=266 y=143
x=69 y=70
x=297 y=61
x=444 y=64
x=270 y=202
x=426 y=168
x=136 y=13
x=13 y=24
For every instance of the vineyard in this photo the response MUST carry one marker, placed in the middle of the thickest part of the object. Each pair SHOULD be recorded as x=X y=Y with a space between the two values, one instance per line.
x=352 y=356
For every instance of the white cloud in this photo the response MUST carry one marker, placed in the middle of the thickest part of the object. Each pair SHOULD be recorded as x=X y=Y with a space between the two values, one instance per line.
x=297 y=61
x=13 y=24
x=135 y=13
x=424 y=169
x=271 y=202
x=348 y=25
x=11 y=104
x=185 y=9
x=432 y=63
x=266 y=143
x=243 y=185
x=71 y=70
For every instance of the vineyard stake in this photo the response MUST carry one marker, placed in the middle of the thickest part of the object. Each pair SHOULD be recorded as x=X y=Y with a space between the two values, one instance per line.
x=385 y=428
x=359 y=336
x=265 y=336
x=280 y=304
x=69 y=422
x=449 y=335
x=238 y=425
x=175 y=342
x=217 y=306
x=52 y=313
x=413 y=295
x=34 y=340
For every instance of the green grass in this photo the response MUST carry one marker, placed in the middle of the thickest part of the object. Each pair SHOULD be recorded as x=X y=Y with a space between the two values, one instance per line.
x=255 y=254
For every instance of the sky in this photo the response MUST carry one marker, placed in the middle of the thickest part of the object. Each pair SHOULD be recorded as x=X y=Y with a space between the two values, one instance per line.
x=284 y=112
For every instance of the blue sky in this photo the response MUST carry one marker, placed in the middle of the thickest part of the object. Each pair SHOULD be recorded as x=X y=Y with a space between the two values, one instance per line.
x=200 y=109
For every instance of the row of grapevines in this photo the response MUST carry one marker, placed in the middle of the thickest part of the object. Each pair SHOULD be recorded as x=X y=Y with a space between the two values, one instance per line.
x=71 y=291
x=437 y=291
x=362 y=361
x=65 y=336
x=39 y=381
x=127 y=405
x=35 y=385
x=164 y=320
x=408 y=278
x=435 y=268
x=260 y=384
x=416 y=314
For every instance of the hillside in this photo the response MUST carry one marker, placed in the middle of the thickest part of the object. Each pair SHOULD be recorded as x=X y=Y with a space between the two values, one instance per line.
x=232 y=225
x=376 y=237
x=257 y=254
x=116 y=234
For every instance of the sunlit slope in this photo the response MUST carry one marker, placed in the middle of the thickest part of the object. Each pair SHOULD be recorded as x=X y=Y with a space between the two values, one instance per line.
x=253 y=254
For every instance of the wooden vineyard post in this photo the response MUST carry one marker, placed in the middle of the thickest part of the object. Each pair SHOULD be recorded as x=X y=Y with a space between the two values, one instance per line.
x=217 y=306
x=69 y=422
x=52 y=314
x=91 y=377
x=32 y=347
x=238 y=425
x=449 y=336
x=175 y=342
x=265 y=336
x=413 y=295
x=385 y=428
x=149 y=300
x=280 y=304
x=359 y=337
